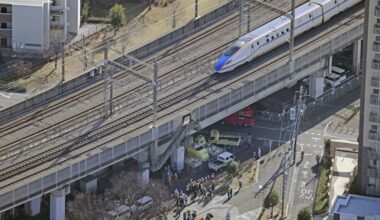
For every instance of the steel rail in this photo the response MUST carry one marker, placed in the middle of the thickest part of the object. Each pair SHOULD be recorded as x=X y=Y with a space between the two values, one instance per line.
x=165 y=102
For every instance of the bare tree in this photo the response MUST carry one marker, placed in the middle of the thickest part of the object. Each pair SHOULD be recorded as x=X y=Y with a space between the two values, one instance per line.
x=89 y=206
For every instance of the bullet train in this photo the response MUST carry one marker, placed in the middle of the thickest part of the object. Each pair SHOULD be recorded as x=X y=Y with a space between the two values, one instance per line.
x=277 y=32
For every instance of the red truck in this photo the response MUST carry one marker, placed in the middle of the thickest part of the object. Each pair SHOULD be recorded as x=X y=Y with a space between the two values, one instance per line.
x=242 y=117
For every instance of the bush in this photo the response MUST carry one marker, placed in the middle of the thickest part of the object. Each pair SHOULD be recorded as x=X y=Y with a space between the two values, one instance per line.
x=271 y=200
x=191 y=152
x=327 y=147
x=232 y=167
x=304 y=214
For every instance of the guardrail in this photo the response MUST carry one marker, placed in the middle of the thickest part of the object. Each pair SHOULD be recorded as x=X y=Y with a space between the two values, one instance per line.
x=94 y=75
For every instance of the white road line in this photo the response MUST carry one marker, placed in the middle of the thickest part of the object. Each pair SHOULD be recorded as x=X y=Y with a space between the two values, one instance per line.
x=308 y=144
x=333 y=136
x=315 y=139
x=312 y=133
x=314 y=145
x=5 y=96
x=319 y=134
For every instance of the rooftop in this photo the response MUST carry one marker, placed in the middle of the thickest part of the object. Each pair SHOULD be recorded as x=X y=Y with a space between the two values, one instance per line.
x=356 y=205
x=24 y=2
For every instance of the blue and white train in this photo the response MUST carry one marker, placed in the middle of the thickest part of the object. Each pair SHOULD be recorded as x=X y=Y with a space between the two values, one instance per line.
x=277 y=32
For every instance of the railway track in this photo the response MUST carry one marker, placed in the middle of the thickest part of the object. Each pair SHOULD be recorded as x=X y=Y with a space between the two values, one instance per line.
x=140 y=114
x=41 y=136
x=97 y=88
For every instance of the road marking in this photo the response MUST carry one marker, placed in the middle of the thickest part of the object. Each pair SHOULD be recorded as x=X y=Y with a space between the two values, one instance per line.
x=308 y=144
x=319 y=134
x=312 y=133
x=316 y=139
x=334 y=136
x=5 y=96
x=314 y=145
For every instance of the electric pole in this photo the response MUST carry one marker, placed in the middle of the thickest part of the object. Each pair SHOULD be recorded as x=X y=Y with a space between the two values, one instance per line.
x=291 y=41
x=63 y=62
x=301 y=98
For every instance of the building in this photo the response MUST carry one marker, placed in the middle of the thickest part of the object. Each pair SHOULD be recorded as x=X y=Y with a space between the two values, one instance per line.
x=37 y=25
x=369 y=137
x=354 y=207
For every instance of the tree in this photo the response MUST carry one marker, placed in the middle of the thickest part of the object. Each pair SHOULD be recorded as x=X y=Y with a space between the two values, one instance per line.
x=271 y=200
x=117 y=16
x=232 y=167
x=85 y=13
x=304 y=214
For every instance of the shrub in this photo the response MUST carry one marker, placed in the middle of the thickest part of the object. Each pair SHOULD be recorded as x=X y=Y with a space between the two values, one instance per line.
x=304 y=214
x=271 y=200
x=232 y=167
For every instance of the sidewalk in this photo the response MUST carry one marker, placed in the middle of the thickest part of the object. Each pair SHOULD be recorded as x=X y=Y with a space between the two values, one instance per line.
x=247 y=203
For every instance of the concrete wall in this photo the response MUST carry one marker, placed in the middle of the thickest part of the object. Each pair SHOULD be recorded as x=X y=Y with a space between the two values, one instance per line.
x=73 y=17
x=28 y=27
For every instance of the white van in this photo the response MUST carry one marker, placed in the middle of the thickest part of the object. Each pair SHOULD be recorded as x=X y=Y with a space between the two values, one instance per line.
x=118 y=212
x=337 y=76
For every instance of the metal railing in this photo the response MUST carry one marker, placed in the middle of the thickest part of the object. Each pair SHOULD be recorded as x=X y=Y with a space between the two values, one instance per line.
x=178 y=136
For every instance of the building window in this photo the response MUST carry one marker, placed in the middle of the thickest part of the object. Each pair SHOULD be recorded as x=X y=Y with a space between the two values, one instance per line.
x=55 y=18
x=4 y=10
x=4 y=25
x=376 y=91
x=374 y=127
x=3 y=42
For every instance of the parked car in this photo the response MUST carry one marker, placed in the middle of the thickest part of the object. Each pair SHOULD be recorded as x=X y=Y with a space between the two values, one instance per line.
x=221 y=161
x=142 y=204
x=118 y=212
x=337 y=76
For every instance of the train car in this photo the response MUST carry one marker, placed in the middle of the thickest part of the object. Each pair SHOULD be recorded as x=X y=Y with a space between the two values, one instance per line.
x=277 y=32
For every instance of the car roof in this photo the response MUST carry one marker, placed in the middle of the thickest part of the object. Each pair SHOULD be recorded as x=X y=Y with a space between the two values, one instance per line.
x=145 y=199
x=225 y=154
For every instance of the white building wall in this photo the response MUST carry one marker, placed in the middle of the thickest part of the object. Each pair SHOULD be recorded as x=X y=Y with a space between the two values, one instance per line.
x=28 y=29
x=73 y=18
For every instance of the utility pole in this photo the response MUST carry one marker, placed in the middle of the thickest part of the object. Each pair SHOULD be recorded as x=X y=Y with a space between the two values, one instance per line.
x=240 y=15
x=291 y=41
x=285 y=162
x=196 y=8
x=154 y=127
x=63 y=62
x=299 y=111
x=248 y=18
x=106 y=79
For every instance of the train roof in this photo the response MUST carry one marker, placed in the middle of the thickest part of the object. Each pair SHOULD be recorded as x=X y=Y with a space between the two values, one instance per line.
x=277 y=23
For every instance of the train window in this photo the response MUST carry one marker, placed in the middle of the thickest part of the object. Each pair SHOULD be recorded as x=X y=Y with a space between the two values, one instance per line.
x=272 y=37
x=267 y=40
x=282 y=32
x=309 y=15
x=231 y=50
x=335 y=1
x=287 y=29
x=258 y=43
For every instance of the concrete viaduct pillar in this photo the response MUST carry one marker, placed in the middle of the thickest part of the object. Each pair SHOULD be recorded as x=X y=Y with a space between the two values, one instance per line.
x=357 y=54
x=33 y=207
x=143 y=174
x=316 y=84
x=57 y=203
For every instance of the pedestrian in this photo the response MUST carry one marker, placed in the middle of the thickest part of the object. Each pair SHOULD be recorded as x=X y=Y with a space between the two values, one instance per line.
x=184 y=215
x=230 y=192
x=240 y=184
x=228 y=215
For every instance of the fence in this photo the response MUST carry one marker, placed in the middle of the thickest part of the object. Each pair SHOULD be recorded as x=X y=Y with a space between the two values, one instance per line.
x=94 y=74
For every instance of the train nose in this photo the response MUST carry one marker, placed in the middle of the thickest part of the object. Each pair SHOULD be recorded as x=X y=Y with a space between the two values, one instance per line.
x=220 y=62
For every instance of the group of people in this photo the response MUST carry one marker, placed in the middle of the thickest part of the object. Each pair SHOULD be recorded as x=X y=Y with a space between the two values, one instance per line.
x=192 y=215
x=203 y=187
